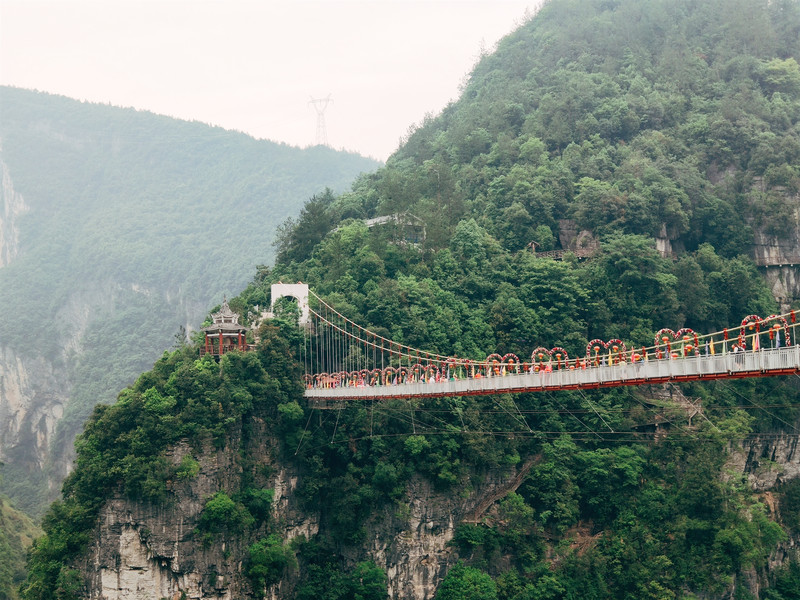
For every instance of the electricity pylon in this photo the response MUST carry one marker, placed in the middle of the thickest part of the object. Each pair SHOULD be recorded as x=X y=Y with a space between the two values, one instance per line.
x=320 y=104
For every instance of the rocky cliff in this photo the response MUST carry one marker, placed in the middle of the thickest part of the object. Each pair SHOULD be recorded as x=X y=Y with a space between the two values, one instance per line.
x=33 y=394
x=768 y=460
x=39 y=389
x=143 y=551
x=12 y=207
x=776 y=244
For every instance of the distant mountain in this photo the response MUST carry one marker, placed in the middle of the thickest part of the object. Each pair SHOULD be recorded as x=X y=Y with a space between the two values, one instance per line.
x=118 y=230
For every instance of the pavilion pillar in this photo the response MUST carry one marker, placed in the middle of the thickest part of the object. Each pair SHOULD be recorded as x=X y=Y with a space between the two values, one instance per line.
x=206 y=343
x=221 y=342
x=240 y=341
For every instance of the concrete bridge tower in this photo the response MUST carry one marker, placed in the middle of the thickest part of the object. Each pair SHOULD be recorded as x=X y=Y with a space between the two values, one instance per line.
x=297 y=291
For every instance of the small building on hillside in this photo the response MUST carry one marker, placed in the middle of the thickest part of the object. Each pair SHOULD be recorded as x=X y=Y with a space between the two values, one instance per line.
x=225 y=334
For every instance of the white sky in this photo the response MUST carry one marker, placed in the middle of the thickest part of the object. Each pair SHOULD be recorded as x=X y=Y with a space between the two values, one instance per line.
x=254 y=65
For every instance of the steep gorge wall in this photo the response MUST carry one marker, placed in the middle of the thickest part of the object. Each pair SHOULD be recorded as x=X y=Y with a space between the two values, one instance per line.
x=12 y=207
x=413 y=547
x=34 y=390
x=38 y=378
x=153 y=551
x=141 y=551
x=37 y=388
x=768 y=460
x=778 y=254
x=33 y=394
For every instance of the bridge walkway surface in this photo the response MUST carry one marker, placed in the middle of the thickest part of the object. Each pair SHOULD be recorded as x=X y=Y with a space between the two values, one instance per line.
x=759 y=363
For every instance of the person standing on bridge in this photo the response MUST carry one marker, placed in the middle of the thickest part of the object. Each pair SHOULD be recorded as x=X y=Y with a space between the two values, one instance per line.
x=738 y=352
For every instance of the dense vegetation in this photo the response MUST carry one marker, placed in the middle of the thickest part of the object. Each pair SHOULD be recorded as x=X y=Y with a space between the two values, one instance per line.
x=122 y=451
x=134 y=224
x=599 y=515
x=17 y=531
x=635 y=119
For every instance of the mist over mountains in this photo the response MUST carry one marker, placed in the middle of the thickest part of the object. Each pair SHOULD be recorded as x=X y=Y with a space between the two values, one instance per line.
x=119 y=229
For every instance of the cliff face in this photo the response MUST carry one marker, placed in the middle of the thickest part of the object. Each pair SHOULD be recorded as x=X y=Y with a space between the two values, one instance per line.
x=33 y=394
x=777 y=249
x=38 y=388
x=767 y=460
x=145 y=551
x=33 y=391
x=413 y=546
x=142 y=551
x=12 y=207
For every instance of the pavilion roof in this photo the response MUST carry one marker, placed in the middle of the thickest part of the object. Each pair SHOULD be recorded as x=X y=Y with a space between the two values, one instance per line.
x=225 y=327
x=225 y=320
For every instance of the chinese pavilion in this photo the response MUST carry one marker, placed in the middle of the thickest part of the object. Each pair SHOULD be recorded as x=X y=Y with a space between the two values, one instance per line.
x=225 y=334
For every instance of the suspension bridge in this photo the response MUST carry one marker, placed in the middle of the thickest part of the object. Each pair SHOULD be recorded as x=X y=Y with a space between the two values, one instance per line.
x=345 y=361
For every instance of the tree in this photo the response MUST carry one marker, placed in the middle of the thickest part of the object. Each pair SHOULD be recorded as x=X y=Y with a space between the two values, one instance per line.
x=633 y=288
x=222 y=515
x=296 y=239
x=599 y=206
x=518 y=227
x=466 y=583
x=782 y=76
x=366 y=582
x=268 y=561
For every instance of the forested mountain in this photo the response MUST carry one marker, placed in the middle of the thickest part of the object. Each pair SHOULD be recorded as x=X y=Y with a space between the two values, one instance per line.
x=17 y=531
x=664 y=133
x=118 y=228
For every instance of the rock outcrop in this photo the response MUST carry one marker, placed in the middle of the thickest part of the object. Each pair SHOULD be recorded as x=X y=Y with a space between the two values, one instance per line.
x=12 y=207
x=33 y=394
x=142 y=551
x=413 y=545
x=767 y=460
x=778 y=254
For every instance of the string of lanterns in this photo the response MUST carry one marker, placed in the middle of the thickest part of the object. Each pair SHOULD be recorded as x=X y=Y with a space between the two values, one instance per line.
x=428 y=367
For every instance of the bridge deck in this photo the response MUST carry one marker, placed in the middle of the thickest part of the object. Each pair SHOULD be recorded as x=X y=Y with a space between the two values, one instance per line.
x=761 y=363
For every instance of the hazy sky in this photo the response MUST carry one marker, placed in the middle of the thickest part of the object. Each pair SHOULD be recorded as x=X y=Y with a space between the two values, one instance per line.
x=255 y=65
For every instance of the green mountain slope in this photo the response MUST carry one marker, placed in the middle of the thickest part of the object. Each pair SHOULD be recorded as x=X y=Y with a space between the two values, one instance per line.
x=17 y=533
x=119 y=228
x=639 y=122
x=624 y=116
